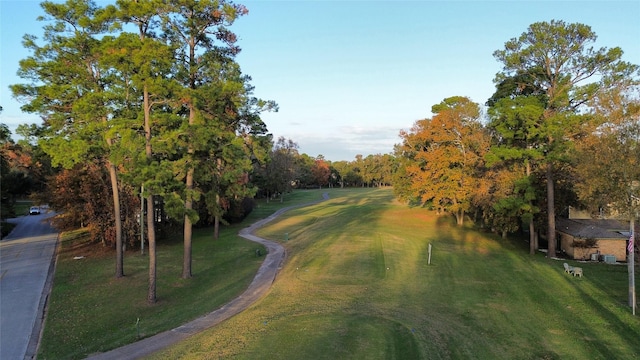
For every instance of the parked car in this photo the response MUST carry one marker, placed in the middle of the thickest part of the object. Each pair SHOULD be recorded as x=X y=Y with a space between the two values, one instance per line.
x=34 y=210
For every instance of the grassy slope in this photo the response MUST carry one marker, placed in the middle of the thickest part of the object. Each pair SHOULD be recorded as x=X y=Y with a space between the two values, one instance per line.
x=357 y=285
x=92 y=311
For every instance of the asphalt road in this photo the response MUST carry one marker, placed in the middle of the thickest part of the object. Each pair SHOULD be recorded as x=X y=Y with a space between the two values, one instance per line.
x=26 y=257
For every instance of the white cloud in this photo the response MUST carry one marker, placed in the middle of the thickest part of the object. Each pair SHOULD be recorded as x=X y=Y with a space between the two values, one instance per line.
x=345 y=142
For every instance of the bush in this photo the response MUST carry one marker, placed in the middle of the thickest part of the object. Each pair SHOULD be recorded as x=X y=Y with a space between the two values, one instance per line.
x=238 y=210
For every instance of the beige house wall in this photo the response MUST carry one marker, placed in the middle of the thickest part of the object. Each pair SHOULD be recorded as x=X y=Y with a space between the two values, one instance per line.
x=565 y=245
x=576 y=253
x=617 y=248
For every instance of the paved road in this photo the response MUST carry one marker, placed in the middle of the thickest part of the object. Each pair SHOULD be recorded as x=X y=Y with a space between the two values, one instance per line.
x=26 y=256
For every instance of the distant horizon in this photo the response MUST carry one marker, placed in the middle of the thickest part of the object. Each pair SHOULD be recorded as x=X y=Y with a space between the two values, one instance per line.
x=348 y=76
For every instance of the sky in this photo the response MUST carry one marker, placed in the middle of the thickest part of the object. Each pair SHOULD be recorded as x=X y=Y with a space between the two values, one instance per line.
x=348 y=76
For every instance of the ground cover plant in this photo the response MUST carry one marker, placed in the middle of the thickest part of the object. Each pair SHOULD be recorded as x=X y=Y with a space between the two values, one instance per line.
x=357 y=285
x=91 y=311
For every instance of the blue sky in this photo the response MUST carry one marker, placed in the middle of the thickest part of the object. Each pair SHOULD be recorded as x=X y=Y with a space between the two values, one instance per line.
x=349 y=75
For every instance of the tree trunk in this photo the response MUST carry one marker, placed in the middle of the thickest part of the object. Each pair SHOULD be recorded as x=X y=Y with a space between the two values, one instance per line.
x=460 y=217
x=551 y=217
x=533 y=241
x=216 y=227
x=151 y=234
x=188 y=229
x=151 y=229
x=188 y=203
x=216 y=219
x=142 y=220
x=118 y=221
x=115 y=191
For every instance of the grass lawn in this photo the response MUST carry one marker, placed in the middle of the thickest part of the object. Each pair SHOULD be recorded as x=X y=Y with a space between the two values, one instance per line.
x=357 y=285
x=91 y=311
x=21 y=208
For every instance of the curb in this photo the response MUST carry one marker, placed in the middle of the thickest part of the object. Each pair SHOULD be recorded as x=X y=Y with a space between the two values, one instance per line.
x=43 y=307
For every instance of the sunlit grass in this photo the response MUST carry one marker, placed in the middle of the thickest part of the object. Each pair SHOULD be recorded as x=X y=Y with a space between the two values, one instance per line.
x=357 y=285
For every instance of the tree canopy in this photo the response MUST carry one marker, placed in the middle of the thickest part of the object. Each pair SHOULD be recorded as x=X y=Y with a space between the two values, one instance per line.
x=442 y=156
x=555 y=65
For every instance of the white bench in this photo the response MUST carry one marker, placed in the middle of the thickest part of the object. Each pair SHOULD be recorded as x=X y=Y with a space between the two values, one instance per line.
x=568 y=269
x=577 y=271
x=572 y=270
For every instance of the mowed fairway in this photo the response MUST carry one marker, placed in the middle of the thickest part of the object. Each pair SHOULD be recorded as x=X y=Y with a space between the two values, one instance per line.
x=357 y=285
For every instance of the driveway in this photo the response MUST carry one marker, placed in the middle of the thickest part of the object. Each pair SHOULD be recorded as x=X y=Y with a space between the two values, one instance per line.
x=26 y=257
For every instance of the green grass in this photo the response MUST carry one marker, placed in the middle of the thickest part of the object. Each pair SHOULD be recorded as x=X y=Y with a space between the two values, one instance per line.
x=356 y=285
x=91 y=311
x=22 y=207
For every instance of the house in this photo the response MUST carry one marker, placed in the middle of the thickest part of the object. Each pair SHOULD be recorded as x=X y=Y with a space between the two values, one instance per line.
x=581 y=238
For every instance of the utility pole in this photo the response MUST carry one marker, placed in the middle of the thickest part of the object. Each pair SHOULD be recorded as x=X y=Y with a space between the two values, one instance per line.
x=631 y=268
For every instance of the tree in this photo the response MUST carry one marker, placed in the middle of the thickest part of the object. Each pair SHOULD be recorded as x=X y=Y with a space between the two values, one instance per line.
x=608 y=161
x=81 y=196
x=233 y=139
x=368 y=170
x=168 y=100
x=320 y=171
x=359 y=170
x=515 y=120
x=351 y=175
x=6 y=200
x=341 y=169
x=378 y=169
x=558 y=59
x=144 y=66
x=69 y=89
x=281 y=169
x=442 y=156
x=199 y=31
x=304 y=175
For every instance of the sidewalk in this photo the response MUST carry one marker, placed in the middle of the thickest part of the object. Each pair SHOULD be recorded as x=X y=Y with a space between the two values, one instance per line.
x=258 y=288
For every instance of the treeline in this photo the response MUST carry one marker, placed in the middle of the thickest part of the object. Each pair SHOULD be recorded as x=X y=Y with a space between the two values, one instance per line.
x=82 y=194
x=287 y=169
x=562 y=129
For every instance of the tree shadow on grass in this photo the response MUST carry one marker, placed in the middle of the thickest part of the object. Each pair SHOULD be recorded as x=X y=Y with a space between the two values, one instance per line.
x=614 y=322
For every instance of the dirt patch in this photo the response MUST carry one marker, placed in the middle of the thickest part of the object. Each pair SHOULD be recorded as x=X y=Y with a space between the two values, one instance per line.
x=83 y=247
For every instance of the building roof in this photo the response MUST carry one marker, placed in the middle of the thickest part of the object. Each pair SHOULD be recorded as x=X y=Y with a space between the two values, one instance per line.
x=592 y=229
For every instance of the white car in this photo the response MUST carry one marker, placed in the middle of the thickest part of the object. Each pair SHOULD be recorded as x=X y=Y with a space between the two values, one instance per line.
x=34 y=210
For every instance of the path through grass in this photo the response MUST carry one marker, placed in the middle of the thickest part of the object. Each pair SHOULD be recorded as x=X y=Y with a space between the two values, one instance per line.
x=356 y=285
x=91 y=311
